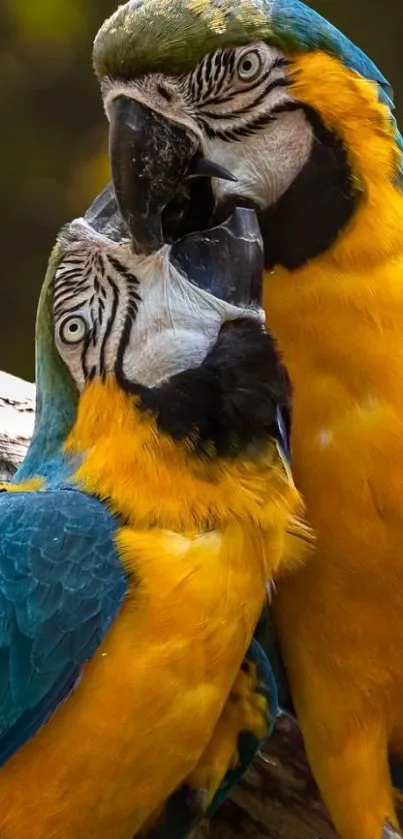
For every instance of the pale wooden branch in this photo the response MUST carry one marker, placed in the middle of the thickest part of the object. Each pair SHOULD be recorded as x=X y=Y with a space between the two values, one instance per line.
x=278 y=798
x=17 y=414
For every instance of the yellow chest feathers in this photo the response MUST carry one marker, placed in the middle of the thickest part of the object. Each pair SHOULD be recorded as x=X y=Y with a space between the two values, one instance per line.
x=151 y=481
x=338 y=321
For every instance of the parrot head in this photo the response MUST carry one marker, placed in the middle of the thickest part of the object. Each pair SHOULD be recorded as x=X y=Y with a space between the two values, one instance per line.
x=262 y=103
x=105 y=311
x=143 y=318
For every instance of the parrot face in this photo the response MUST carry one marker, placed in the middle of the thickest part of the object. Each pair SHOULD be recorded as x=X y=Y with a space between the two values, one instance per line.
x=237 y=109
x=140 y=317
x=241 y=124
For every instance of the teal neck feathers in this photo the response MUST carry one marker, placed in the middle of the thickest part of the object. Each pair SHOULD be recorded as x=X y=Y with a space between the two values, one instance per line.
x=57 y=397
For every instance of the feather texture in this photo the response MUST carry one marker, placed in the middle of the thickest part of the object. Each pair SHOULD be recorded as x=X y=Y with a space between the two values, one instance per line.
x=338 y=324
x=61 y=587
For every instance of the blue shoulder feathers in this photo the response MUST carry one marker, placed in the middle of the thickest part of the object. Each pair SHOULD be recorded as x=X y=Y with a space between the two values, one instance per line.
x=61 y=587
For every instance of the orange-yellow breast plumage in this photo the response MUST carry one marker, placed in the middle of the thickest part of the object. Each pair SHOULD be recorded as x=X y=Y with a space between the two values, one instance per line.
x=199 y=544
x=339 y=324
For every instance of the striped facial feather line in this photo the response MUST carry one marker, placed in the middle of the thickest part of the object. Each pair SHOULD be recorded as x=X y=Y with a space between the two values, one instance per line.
x=213 y=85
x=239 y=132
x=240 y=112
x=216 y=70
x=205 y=89
x=103 y=294
x=217 y=99
x=108 y=330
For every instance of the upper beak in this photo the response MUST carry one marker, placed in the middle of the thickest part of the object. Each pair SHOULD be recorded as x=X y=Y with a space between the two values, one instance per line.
x=151 y=158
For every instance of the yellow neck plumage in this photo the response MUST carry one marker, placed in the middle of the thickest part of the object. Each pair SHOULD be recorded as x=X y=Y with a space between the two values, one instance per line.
x=347 y=304
x=150 y=480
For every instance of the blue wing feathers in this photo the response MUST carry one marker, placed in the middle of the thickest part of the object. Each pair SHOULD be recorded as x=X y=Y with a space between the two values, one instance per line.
x=30 y=721
x=61 y=587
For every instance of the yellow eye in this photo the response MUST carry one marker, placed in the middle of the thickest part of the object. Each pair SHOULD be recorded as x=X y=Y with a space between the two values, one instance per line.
x=249 y=66
x=73 y=329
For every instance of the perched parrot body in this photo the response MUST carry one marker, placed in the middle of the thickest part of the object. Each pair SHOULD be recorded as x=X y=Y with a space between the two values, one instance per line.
x=135 y=545
x=302 y=119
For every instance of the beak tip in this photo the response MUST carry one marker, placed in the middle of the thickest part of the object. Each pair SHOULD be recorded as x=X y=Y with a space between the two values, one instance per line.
x=203 y=167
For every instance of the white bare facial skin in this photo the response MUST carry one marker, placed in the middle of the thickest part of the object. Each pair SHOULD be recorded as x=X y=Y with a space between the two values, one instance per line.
x=115 y=309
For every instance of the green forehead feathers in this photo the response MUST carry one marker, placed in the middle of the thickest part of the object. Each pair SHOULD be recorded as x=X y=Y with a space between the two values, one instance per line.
x=172 y=36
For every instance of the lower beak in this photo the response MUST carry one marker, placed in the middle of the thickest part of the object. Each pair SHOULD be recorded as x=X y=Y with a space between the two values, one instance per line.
x=225 y=260
x=151 y=159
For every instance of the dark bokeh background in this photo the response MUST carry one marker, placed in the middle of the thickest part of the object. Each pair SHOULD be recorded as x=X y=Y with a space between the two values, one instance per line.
x=53 y=135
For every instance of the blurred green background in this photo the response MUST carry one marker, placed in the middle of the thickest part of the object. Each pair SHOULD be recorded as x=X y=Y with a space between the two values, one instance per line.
x=53 y=135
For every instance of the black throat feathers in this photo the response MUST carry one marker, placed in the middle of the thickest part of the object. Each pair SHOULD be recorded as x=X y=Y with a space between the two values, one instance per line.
x=228 y=404
x=316 y=207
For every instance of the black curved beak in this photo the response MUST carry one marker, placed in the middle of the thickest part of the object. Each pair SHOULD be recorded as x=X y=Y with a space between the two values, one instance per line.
x=227 y=260
x=152 y=158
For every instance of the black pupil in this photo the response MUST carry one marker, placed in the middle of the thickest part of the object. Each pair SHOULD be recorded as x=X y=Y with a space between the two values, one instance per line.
x=74 y=326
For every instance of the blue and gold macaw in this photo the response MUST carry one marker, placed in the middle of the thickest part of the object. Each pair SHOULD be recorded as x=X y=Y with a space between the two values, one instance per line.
x=138 y=535
x=302 y=122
